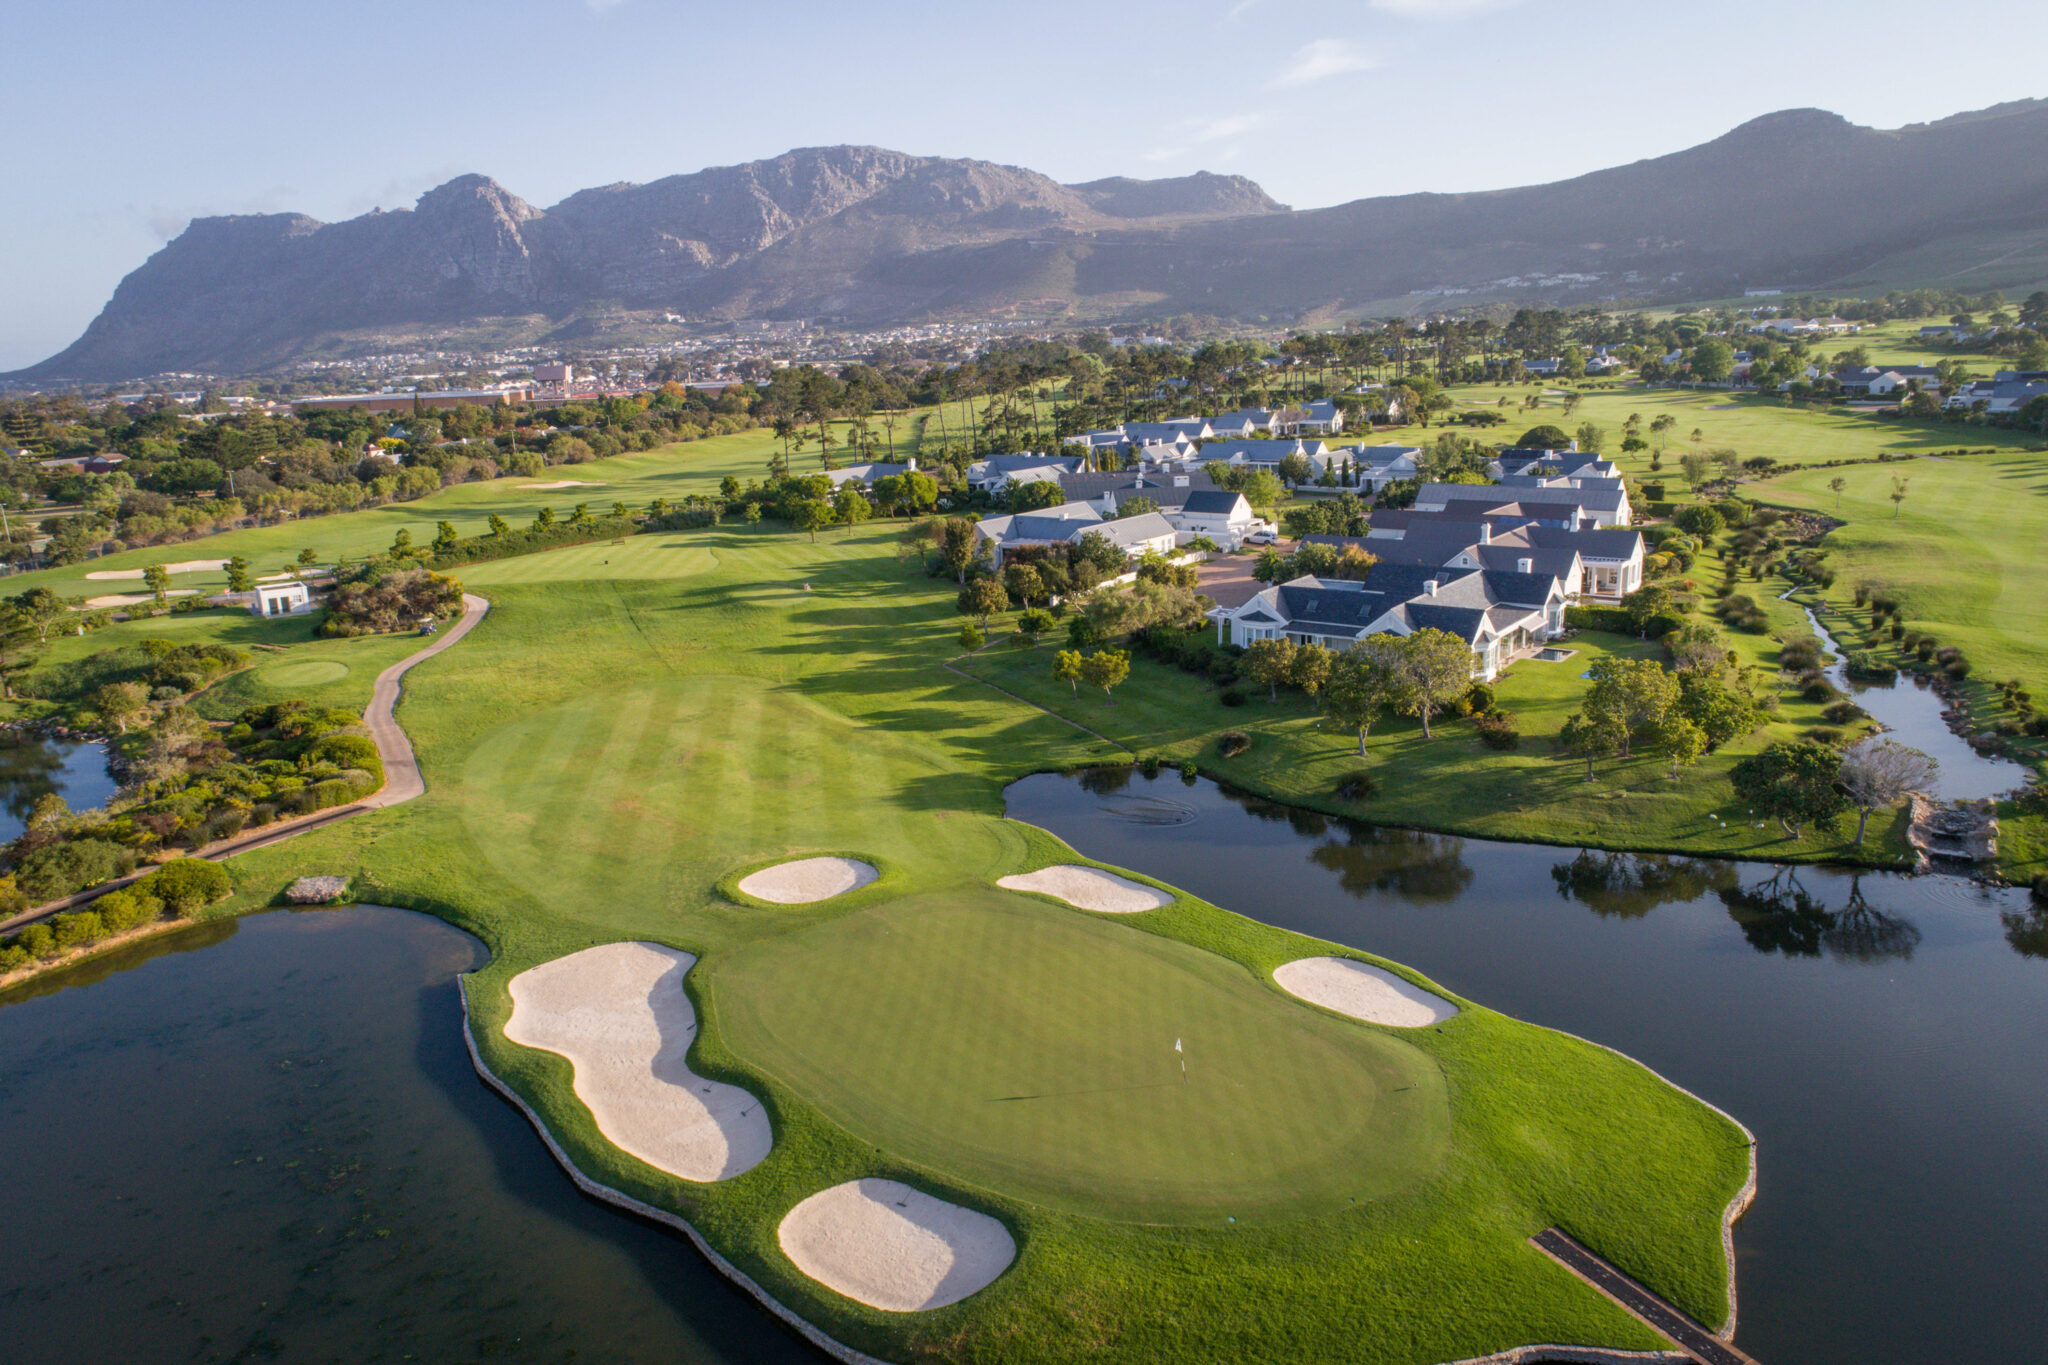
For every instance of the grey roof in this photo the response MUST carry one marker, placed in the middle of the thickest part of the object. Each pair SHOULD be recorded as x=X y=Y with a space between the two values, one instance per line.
x=1051 y=523
x=1135 y=483
x=1379 y=457
x=1439 y=545
x=1603 y=495
x=1009 y=464
x=1461 y=603
x=1260 y=418
x=1129 y=531
x=1251 y=451
x=1180 y=428
x=1212 y=502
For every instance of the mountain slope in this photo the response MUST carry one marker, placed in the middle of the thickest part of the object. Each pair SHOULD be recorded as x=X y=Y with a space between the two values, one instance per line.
x=879 y=237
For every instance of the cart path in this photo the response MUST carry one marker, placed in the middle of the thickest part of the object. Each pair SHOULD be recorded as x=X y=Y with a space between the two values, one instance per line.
x=402 y=780
x=1691 y=1338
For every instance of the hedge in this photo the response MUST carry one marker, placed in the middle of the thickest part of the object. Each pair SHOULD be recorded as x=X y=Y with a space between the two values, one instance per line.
x=482 y=549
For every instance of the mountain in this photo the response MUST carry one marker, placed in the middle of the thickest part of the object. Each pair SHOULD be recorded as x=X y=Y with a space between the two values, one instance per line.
x=1801 y=198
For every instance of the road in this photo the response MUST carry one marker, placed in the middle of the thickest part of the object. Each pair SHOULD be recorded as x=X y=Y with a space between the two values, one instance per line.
x=1691 y=1338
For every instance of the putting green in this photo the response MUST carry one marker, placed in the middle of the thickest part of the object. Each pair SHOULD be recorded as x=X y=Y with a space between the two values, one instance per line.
x=1031 y=1049
x=304 y=673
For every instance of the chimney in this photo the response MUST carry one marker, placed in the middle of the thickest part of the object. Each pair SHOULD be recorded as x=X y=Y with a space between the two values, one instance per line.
x=1525 y=566
x=1485 y=533
x=1429 y=586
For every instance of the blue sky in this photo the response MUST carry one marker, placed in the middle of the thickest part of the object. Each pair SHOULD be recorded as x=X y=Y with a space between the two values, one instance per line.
x=124 y=120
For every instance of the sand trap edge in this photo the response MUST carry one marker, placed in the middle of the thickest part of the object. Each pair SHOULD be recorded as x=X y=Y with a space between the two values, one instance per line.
x=1081 y=880
x=730 y=884
x=817 y=1233
x=1389 y=999
x=803 y=1327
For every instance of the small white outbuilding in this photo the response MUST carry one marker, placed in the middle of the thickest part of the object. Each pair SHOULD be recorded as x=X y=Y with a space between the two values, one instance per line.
x=281 y=599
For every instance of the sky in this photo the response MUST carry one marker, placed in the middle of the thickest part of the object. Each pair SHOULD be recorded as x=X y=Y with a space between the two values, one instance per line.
x=125 y=120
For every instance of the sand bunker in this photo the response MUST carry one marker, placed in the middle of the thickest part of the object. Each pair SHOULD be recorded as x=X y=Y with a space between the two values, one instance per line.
x=134 y=599
x=1090 y=888
x=807 y=880
x=1363 y=992
x=561 y=483
x=182 y=566
x=894 y=1248
x=619 y=1014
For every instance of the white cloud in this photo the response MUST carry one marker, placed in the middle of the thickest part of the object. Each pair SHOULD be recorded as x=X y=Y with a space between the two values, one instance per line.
x=1438 y=9
x=1228 y=126
x=1326 y=57
x=600 y=6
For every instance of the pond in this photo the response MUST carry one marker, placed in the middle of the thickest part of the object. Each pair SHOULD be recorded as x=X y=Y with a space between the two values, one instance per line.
x=33 y=766
x=1881 y=1034
x=1910 y=711
x=276 y=1148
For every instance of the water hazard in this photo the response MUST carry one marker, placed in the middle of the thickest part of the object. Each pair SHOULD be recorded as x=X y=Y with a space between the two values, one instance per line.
x=276 y=1148
x=32 y=766
x=1881 y=1034
x=1910 y=711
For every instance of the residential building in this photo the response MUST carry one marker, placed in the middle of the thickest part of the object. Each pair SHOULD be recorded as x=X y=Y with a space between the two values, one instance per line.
x=1068 y=523
x=1319 y=418
x=1503 y=616
x=1223 y=517
x=1590 y=562
x=993 y=472
x=1585 y=502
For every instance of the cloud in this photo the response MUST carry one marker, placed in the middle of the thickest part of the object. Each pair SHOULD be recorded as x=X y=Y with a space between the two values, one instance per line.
x=1242 y=8
x=1228 y=126
x=1326 y=57
x=1438 y=9
x=1210 y=136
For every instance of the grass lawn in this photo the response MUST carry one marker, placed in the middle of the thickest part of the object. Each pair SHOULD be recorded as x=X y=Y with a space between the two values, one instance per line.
x=603 y=750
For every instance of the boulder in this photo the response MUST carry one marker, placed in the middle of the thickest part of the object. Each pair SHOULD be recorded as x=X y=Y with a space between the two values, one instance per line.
x=317 y=890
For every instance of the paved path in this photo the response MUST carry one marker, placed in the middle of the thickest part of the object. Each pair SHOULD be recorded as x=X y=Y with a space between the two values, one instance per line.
x=1691 y=1338
x=402 y=780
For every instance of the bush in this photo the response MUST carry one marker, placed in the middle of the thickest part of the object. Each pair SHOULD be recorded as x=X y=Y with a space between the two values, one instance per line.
x=57 y=870
x=1826 y=734
x=38 y=940
x=1188 y=771
x=1231 y=697
x=348 y=751
x=1819 y=689
x=971 y=637
x=1844 y=712
x=1479 y=700
x=131 y=907
x=188 y=885
x=1866 y=667
x=1233 y=743
x=78 y=929
x=1150 y=766
x=1497 y=730
x=1359 y=786
x=1958 y=668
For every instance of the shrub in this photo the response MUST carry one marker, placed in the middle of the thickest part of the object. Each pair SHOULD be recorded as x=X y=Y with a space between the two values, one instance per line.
x=1233 y=743
x=348 y=751
x=1480 y=699
x=1958 y=668
x=78 y=929
x=1188 y=771
x=1231 y=697
x=1497 y=730
x=188 y=885
x=1359 y=786
x=1150 y=766
x=1925 y=649
x=39 y=940
x=1844 y=712
x=13 y=957
x=1034 y=622
x=1819 y=689
x=1866 y=667
x=128 y=908
x=59 y=869
x=971 y=637
x=1826 y=734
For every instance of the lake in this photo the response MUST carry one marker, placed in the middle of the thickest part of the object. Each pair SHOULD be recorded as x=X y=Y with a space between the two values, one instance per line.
x=1883 y=1035
x=32 y=766
x=264 y=1139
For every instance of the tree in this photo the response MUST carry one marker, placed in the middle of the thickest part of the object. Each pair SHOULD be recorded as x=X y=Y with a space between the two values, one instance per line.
x=1311 y=671
x=1644 y=605
x=1023 y=583
x=1593 y=734
x=958 y=545
x=850 y=507
x=1592 y=436
x=499 y=526
x=1035 y=495
x=1681 y=739
x=308 y=557
x=1629 y=695
x=1545 y=437
x=121 y=704
x=157 y=579
x=1697 y=647
x=1069 y=667
x=1106 y=668
x=544 y=519
x=983 y=598
x=1268 y=663
x=238 y=576
x=1713 y=360
x=1835 y=486
x=1898 y=493
x=1793 y=781
x=1263 y=490
x=1434 y=669
x=1695 y=465
x=1362 y=685
x=444 y=538
x=1878 y=773
x=811 y=514
x=42 y=609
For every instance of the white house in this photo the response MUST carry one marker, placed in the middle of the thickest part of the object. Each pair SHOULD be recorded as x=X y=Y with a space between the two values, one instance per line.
x=1319 y=418
x=281 y=599
x=1068 y=523
x=1503 y=616
x=1225 y=518
x=1381 y=465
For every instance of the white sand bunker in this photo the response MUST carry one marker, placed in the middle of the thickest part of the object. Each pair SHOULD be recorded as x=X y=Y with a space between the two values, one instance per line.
x=135 y=599
x=619 y=1014
x=807 y=880
x=894 y=1248
x=1090 y=888
x=1363 y=992
x=182 y=566
x=561 y=483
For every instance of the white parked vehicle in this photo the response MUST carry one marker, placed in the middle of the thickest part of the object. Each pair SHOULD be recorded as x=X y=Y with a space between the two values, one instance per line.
x=1265 y=533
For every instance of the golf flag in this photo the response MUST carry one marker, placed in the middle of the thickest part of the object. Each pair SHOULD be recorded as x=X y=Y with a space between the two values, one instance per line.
x=1176 y=1045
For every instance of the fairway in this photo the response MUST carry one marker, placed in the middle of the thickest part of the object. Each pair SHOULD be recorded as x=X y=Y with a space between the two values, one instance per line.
x=1031 y=1049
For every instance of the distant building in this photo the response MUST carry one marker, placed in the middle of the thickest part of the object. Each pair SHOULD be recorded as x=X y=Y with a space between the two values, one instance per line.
x=281 y=599
x=411 y=401
x=560 y=376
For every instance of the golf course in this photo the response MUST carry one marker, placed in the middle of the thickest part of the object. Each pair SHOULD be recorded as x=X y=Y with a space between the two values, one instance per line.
x=1162 y=1151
